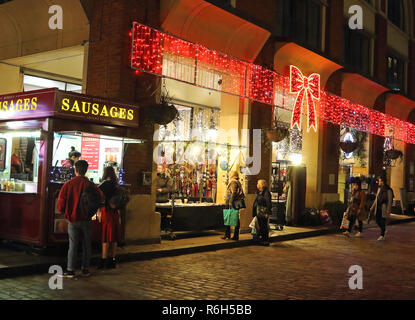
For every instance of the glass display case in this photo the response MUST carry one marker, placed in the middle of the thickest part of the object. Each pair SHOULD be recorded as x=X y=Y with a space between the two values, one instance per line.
x=19 y=161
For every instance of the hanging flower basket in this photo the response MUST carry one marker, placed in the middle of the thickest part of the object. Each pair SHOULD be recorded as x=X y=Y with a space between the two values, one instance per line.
x=348 y=146
x=393 y=154
x=277 y=134
x=161 y=113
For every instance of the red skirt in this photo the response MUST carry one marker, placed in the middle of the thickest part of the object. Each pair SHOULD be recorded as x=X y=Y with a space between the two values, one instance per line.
x=111 y=228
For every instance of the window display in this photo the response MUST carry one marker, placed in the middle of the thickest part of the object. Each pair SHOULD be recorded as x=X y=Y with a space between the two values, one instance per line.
x=98 y=150
x=185 y=150
x=19 y=161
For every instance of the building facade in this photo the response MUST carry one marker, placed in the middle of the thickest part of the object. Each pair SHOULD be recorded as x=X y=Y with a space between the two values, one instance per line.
x=373 y=67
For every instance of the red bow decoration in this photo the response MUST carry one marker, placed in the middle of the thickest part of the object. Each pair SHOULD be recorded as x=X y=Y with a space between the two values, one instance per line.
x=307 y=88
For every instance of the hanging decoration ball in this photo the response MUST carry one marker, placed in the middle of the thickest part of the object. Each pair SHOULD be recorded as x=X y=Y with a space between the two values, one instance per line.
x=224 y=165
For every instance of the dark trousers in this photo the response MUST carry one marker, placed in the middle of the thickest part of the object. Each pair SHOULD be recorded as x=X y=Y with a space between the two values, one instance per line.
x=236 y=232
x=381 y=222
x=263 y=228
x=352 y=221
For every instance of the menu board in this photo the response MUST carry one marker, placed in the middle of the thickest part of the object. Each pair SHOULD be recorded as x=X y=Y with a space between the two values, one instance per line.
x=90 y=151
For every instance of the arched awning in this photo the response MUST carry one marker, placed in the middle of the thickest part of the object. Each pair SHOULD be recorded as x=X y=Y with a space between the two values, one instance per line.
x=290 y=53
x=24 y=27
x=201 y=22
x=399 y=106
x=360 y=90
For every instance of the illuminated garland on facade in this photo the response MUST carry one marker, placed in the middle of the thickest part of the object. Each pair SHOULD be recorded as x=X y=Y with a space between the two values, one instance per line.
x=247 y=80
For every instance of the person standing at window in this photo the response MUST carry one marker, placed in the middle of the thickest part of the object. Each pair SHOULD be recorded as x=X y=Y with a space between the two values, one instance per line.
x=110 y=220
x=262 y=210
x=234 y=194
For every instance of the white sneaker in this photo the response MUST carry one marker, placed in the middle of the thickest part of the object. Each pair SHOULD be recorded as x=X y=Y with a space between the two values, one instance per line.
x=347 y=233
x=357 y=235
x=381 y=238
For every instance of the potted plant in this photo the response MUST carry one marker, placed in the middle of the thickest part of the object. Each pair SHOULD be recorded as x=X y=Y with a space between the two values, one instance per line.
x=162 y=113
x=393 y=154
x=348 y=146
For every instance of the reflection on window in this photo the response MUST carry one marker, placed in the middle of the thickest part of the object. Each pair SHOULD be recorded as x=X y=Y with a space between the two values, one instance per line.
x=35 y=83
x=395 y=73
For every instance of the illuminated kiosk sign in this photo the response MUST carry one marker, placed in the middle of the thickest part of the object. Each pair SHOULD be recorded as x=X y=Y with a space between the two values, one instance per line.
x=55 y=103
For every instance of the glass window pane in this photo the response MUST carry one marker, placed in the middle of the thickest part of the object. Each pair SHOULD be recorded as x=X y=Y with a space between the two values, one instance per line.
x=35 y=83
x=74 y=88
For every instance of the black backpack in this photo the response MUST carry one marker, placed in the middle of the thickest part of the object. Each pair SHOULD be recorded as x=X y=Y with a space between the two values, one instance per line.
x=89 y=202
x=120 y=198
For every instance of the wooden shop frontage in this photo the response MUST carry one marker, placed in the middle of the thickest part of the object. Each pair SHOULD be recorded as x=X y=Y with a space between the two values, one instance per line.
x=38 y=130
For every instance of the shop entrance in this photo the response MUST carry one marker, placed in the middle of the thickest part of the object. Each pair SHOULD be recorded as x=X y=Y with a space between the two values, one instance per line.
x=353 y=161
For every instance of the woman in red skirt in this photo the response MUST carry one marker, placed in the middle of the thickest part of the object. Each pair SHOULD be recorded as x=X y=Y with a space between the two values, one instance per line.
x=110 y=220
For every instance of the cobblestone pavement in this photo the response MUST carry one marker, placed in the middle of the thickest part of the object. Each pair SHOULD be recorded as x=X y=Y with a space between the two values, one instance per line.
x=313 y=268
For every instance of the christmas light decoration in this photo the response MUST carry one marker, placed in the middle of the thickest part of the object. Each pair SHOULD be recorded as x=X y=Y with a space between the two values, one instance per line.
x=197 y=65
x=306 y=88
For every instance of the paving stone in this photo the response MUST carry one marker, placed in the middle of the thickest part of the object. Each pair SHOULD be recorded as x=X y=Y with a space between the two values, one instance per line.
x=312 y=268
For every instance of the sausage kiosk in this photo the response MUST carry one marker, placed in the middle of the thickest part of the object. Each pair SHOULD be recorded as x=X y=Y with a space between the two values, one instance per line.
x=38 y=129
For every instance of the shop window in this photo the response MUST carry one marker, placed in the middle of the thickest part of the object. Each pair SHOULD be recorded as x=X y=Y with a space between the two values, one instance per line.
x=35 y=83
x=179 y=129
x=191 y=151
x=98 y=150
x=300 y=20
x=395 y=69
x=396 y=13
x=19 y=161
x=357 y=50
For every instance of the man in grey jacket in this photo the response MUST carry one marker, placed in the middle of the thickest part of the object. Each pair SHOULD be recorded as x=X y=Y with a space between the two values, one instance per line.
x=382 y=206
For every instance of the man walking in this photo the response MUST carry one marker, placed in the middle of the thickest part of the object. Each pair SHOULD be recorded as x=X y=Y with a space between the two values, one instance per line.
x=79 y=225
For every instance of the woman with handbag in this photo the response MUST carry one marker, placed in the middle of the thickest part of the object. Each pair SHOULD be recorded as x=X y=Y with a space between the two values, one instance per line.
x=109 y=217
x=236 y=200
x=262 y=210
x=356 y=210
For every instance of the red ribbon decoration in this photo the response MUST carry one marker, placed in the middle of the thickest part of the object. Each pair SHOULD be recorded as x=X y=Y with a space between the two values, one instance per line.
x=308 y=89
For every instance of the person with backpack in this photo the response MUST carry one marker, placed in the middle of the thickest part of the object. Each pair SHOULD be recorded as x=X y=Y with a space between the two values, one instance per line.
x=382 y=206
x=79 y=199
x=236 y=200
x=262 y=210
x=109 y=216
x=356 y=209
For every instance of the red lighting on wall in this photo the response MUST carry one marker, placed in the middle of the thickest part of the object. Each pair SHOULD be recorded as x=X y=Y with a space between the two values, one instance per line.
x=306 y=89
x=217 y=71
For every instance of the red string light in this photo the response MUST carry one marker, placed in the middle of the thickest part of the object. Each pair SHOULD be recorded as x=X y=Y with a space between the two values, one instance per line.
x=218 y=71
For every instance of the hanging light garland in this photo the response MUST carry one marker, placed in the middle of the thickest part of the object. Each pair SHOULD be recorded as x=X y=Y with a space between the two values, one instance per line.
x=254 y=82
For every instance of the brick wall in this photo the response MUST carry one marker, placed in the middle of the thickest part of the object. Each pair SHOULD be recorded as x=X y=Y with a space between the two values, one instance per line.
x=381 y=49
x=110 y=75
x=335 y=30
